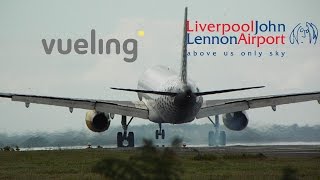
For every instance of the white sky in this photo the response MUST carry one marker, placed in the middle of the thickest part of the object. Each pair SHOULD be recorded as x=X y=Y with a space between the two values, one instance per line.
x=25 y=68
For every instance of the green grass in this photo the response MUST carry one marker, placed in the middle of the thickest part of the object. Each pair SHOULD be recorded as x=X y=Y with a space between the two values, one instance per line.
x=77 y=164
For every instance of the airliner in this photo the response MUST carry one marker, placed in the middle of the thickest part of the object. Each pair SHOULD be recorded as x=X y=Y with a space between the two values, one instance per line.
x=168 y=97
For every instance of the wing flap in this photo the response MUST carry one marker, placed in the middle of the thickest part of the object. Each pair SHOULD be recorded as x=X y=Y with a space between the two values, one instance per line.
x=65 y=102
x=280 y=100
x=223 y=106
x=126 y=108
x=222 y=109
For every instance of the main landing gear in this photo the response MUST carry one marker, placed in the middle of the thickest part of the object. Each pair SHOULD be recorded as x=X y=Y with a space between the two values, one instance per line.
x=160 y=132
x=217 y=138
x=125 y=139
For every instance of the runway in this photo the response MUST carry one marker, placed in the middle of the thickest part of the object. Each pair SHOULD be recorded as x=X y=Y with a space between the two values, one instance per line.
x=274 y=150
x=267 y=150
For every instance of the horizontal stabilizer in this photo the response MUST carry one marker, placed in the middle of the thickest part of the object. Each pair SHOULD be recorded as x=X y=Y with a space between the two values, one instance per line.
x=225 y=91
x=147 y=91
x=196 y=94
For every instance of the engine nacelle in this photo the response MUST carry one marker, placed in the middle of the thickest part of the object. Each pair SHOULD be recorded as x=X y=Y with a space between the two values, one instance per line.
x=97 y=121
x=236 y=121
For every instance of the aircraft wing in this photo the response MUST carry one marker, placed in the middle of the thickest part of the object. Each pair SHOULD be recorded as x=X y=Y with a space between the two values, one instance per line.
x=223 y=106
x=126 y=108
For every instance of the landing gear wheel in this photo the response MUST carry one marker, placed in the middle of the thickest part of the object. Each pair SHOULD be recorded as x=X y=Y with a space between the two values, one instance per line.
x=157 y=134
x=211 y=138
x=163 y=135
x=120 y=139
x=160 y=132
x=222 y=138
x=131 y=139
x=124 y=139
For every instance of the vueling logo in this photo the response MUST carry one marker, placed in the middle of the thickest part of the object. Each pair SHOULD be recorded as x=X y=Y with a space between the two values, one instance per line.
x=82 y=46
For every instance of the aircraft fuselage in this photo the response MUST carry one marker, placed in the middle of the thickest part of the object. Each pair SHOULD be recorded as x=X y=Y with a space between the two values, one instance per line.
x=178 y=109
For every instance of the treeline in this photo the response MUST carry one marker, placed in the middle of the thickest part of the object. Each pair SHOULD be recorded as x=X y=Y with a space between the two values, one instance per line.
x=189 y=133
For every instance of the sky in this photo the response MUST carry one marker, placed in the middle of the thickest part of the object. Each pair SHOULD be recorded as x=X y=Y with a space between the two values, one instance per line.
x=26 y=68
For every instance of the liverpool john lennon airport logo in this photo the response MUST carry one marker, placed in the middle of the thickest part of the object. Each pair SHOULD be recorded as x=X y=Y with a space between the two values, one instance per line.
x=254 y=34
x=304 y=33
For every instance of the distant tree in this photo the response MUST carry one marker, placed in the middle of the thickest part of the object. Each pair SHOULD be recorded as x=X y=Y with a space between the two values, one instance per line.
x=36 y=141
x=7 y=148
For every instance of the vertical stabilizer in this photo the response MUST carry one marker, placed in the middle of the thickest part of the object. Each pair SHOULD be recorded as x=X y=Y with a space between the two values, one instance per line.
x=183 y=70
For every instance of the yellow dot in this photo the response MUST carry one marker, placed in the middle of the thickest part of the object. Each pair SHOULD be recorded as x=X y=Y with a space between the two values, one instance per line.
x=141 y=33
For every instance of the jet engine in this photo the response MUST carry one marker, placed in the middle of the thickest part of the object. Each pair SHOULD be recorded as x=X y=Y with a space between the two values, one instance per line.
x=97 y=121
x=236 y=121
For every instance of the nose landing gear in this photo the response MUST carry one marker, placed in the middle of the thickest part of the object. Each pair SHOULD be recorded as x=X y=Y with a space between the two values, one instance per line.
x=160 y=132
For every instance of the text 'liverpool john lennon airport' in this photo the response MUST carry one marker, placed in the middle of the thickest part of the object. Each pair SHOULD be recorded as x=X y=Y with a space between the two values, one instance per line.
x=254 y=33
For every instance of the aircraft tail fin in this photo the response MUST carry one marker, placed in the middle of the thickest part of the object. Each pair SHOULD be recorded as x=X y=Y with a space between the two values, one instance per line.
x=183 y=70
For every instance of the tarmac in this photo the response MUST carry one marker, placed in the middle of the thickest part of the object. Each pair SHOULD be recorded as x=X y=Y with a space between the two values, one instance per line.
x=267 y=150
x=271 y=150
